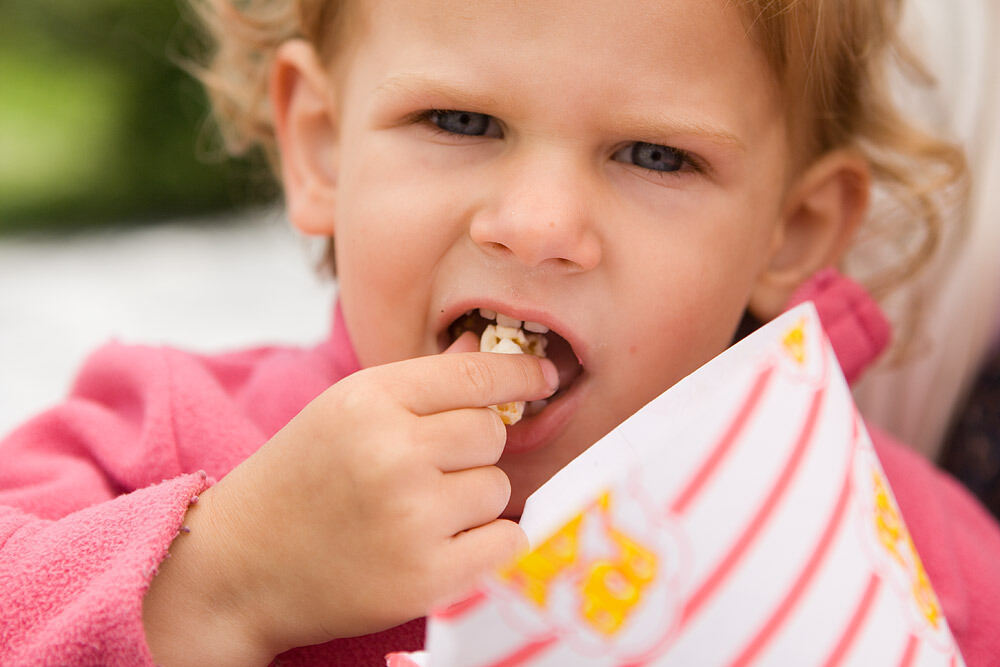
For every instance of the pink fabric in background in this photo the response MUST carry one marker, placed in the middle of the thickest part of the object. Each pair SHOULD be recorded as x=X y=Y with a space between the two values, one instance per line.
x=93 y=492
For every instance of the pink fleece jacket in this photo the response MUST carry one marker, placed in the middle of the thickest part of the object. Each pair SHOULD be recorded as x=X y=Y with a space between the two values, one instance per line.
x=93 y=492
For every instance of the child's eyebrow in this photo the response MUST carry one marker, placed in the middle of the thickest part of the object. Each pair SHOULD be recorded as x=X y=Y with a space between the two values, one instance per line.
x=419 y=85
x=643 y=127
x=639 y=126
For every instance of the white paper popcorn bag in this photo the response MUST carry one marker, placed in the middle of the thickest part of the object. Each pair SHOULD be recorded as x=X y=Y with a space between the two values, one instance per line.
x=740 y=518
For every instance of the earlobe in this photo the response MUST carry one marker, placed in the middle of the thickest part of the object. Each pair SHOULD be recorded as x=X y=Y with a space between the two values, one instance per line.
x=822 y=211
x=305 y=126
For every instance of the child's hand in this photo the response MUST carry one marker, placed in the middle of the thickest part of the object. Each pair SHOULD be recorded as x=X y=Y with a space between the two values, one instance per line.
x=378 y=501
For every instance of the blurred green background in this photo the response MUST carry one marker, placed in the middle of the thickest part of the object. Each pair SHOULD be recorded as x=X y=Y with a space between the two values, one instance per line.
x=98 y=123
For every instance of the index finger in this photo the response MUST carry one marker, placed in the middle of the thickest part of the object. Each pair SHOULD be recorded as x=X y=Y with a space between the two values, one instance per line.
x=440 y=382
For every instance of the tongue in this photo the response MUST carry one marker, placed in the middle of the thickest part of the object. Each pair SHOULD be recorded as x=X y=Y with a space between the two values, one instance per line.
x=562 y=355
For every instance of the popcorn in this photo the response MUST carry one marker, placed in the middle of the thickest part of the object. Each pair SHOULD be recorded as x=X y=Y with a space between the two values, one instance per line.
x=511 y=340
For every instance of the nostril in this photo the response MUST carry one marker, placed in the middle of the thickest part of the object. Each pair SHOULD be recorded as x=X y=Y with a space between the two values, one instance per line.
x=568 y=263
x=499 y=247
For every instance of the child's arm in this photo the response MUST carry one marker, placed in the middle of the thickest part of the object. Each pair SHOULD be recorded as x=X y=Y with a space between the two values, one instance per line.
x=71 y=589
x=76 y=551
x=377 y=501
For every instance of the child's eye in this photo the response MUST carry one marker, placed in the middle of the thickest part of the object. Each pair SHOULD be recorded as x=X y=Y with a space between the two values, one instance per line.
x=655 y=157
x=466 y=123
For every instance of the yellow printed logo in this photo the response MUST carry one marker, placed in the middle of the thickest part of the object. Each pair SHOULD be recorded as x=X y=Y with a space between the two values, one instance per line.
x=608 y=588
x=896 y=541
x=612 y=589
x=794 y=342
x=534 y=571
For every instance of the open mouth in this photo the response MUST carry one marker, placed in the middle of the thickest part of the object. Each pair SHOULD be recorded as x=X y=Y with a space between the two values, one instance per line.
x=539 y=340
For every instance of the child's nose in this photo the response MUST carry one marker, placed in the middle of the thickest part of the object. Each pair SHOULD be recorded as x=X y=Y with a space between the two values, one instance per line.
x=541 y=214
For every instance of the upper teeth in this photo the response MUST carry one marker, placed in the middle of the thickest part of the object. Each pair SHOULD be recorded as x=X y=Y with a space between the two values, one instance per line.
x=505 y=321
x=535 y=327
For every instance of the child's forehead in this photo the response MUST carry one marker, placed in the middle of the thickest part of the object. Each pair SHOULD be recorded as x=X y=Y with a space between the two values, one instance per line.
x=690 y=59
x=673 y=41
x=583 y=21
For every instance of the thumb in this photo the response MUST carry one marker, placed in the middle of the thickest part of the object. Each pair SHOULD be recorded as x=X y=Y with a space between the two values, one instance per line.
x=467 y=342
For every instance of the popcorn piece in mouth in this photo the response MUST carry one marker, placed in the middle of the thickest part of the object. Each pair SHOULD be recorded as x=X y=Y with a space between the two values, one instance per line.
x=511 y=340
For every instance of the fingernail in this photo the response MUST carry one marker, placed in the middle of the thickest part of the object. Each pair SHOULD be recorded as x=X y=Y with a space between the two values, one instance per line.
x=550 y=373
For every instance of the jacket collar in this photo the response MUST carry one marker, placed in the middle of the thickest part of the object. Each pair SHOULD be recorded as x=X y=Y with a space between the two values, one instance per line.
x=858 y=330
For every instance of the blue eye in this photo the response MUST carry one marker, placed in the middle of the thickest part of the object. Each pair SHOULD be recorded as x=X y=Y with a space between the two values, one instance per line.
x=654 y=157
x=466 y=123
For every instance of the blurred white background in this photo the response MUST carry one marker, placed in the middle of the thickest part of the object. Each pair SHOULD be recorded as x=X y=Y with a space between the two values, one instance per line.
x=201 y=285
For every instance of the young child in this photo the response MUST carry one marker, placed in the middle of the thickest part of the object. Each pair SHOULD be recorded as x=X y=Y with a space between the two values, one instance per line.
x=636 y=177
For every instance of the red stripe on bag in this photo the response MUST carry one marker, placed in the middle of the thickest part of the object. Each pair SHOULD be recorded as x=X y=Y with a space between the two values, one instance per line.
x=722 y=570
x=460 y=608
x=910 y=652
x=805 y=576
x=724 y=444
x=857 y=620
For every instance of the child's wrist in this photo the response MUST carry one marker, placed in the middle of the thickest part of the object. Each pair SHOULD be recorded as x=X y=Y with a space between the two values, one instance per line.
x=197 y=609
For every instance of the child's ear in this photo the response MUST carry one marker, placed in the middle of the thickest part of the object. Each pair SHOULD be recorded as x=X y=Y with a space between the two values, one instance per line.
x=301 y=94
x=822 y=210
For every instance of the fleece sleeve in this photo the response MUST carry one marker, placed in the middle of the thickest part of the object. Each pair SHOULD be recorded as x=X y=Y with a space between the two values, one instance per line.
x=91 y=496
x=71 y=589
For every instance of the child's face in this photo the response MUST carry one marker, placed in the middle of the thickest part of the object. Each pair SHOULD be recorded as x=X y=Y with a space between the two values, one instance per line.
x=559 y=204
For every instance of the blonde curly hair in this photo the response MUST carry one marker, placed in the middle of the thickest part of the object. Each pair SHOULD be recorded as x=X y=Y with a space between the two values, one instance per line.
x=830 y=56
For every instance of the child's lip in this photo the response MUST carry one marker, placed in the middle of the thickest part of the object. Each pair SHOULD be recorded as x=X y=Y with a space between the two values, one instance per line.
x=537 y=431
x=524 y=313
